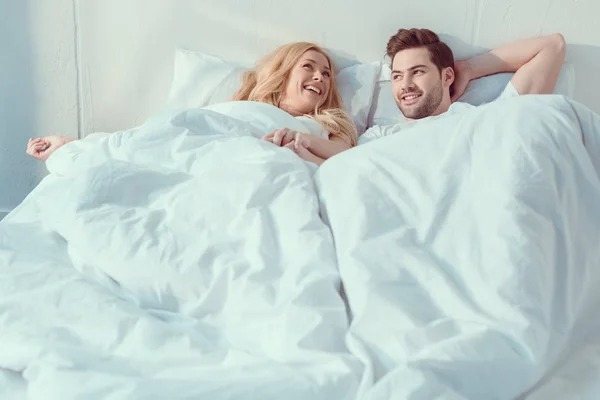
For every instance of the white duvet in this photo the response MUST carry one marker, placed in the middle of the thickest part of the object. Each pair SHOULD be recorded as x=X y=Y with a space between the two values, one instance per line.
x=469 y=249
x=186 y=259
x=183 y=260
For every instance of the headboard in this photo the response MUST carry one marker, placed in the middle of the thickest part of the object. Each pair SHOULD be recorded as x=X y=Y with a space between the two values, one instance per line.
x=126 y=48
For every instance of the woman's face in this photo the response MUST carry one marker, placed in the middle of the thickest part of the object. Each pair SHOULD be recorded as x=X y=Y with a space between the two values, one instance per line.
x=308 y=84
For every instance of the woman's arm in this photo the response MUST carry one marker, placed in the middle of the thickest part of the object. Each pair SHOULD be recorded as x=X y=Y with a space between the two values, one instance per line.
x=306 y=154
x=322 y=148
x=42 y=148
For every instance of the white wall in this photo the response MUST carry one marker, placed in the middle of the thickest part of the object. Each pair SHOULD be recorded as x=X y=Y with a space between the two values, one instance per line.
x=128 y=46
x=120 y=72
x=577 y=20
x=38 y=84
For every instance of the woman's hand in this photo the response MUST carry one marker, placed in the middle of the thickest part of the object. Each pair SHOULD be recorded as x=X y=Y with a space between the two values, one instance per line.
x=285 y=136
x=42 y=148
x=462 y=77
x=298 y=142
x=300 y=150
x=304 y=153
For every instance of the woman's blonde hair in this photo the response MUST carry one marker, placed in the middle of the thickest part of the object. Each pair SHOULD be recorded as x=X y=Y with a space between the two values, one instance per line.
x=267 y=81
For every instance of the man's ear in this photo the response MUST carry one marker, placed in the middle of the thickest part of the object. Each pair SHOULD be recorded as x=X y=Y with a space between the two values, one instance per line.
x=448 y=76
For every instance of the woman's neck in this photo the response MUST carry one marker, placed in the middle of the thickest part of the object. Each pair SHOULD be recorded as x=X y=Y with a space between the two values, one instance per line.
x=290 y=109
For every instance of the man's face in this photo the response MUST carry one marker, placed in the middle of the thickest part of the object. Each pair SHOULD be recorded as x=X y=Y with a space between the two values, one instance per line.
x=417 y=83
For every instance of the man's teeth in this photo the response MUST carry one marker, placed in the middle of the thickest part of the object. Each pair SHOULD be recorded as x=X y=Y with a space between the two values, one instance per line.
x=410 y=97
x=314 y=89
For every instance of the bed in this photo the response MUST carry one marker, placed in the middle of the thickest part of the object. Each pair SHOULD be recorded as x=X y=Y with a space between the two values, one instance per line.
x=184 y=258
x=187 y=258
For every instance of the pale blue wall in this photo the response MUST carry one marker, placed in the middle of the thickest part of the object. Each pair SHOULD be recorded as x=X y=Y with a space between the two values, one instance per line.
x=38 y=87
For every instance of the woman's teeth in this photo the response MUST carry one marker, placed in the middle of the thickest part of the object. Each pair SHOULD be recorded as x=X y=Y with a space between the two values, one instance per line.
x=313 y=89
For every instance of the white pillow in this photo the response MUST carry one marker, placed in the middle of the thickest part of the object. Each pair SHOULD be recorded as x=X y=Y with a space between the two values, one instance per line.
x=202 y=79
x=384 y=111
x=479 y=91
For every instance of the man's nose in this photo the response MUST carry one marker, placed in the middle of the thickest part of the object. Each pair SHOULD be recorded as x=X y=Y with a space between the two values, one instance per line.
x=407 y=83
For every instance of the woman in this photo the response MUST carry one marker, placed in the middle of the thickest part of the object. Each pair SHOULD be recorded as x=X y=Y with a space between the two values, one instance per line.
x=298 y=78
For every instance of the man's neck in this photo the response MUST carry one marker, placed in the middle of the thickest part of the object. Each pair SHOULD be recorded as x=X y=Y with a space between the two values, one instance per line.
x=443 y=107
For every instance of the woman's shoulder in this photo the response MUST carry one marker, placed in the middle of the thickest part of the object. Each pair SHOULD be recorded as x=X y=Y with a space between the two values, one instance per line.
x=313 y=127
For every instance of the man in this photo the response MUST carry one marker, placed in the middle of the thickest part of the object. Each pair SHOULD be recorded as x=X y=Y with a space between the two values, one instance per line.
x=426 y=81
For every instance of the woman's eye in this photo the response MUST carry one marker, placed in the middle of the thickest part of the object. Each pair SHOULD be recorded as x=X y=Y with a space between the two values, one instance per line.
x=327 y=74
x=309 y=66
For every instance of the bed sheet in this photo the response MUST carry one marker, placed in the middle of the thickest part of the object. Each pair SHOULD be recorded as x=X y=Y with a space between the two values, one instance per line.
x=12 y=385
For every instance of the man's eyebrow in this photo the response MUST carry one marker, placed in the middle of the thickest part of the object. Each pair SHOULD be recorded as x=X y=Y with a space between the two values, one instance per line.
x=395 y=71
x=314 y=62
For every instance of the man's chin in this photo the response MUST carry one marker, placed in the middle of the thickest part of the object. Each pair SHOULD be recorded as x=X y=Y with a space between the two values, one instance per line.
x=412 y=113
x=407 y=110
